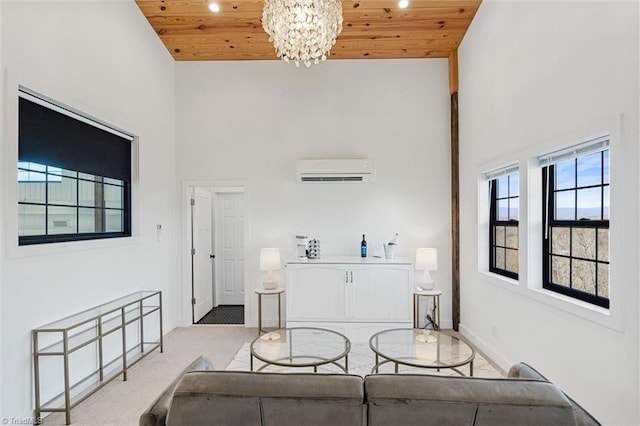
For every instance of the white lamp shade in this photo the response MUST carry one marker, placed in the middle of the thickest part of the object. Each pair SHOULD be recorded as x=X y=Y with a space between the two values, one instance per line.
x=426 y=259
x=269 y=259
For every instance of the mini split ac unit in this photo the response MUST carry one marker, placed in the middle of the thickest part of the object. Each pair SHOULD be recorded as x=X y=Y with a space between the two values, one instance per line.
x=334 y=171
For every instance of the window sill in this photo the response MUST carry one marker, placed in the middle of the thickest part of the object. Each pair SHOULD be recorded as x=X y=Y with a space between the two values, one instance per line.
x=14 y=251
x=499 y=280
x=596 y=314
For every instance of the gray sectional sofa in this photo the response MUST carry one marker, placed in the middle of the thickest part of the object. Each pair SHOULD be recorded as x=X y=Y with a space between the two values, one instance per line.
x=201 y=396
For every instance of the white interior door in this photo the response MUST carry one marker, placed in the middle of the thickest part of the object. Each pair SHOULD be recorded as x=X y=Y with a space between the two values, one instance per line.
x=230 y=248
x=201 y=252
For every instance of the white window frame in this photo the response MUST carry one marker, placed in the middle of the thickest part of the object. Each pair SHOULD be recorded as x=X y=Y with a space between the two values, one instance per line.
x=530 y=224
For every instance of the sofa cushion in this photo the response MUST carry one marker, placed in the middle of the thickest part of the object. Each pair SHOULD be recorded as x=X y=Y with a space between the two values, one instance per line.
x=248 y=398
x=412 y=399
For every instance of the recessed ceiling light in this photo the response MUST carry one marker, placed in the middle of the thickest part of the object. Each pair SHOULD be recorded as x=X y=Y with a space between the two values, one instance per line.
x=403 y=3
x=214 y=7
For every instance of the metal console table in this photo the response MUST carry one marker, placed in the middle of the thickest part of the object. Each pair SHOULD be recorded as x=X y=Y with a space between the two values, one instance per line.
x=102 y=335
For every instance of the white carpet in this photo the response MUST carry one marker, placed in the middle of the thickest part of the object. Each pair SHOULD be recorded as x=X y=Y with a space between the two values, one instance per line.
x=361 y=360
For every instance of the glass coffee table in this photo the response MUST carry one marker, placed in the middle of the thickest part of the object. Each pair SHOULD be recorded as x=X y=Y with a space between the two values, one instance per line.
x=421 y=348
x=301 y=347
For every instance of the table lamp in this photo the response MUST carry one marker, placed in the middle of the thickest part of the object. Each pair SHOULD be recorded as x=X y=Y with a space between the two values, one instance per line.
x=426 y=260
x=270 y=261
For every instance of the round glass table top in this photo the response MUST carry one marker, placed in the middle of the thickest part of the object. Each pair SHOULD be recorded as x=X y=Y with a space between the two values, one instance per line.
x=300 y=347
x=421 y=348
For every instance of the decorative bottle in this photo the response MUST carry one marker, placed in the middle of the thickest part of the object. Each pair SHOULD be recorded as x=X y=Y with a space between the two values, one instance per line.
x=363 y=247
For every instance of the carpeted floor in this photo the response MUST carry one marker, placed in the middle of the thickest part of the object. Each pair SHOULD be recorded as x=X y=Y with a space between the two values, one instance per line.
x=224 y=314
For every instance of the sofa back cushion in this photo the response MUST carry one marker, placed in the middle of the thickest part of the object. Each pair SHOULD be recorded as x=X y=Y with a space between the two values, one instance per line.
x=245 y=398
x=436 y=400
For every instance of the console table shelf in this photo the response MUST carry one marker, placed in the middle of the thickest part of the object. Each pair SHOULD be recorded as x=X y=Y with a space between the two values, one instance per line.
x=94 y=326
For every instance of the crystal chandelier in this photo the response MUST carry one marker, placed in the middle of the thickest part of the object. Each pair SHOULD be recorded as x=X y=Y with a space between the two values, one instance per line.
x=302 y=30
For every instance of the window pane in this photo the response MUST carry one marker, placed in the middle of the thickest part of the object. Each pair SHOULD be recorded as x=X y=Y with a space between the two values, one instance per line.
x=606 y=166
x=503 y=210
x=514 y=208
x=499 y=258
x=113 y=196
x=31 y=172
x=584 y=243
x=86 y=176
x=560 y=272
x=32 y=166
x=560 y=241
x=565 y=205
x=88 y=221
x=64 y=192
x=500 y=236
x=565 y=174
x=603 y=280
x=583 y=276
x=62 y=220
x=113 y=181
x=603 y=244
x=503 y=187
x=114 y=222
x=590 y=169
x=61 y=172
x=513 y=185
x=512 y=237
x=31 y=192
x=86 y=196
x=31 y=220
x=589 y=204
x=605 y=207
x=512 y=261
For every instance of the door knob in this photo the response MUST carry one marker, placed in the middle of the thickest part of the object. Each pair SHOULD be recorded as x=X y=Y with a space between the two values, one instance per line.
x=212 y=256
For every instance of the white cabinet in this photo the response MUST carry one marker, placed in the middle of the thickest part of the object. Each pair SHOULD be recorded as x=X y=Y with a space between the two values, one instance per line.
x=379 y=293
x=347 y=293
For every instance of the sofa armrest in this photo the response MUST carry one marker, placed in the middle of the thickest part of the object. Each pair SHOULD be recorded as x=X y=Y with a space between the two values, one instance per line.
x=522 y=370
x=156 y=414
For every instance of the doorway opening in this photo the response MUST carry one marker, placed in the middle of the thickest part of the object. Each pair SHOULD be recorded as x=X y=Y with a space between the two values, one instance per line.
x=217 y=246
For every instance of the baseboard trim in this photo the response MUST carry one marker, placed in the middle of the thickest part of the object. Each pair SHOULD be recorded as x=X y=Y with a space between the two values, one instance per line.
x=486 y=348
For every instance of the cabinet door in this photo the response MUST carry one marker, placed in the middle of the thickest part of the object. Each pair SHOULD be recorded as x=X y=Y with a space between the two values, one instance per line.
x=380 y=293
x=316 y=293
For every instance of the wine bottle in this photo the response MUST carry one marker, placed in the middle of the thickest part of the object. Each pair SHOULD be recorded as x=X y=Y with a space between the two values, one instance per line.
x=363 y=247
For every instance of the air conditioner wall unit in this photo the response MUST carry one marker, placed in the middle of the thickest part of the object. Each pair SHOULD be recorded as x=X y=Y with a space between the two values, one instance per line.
x=336 y=171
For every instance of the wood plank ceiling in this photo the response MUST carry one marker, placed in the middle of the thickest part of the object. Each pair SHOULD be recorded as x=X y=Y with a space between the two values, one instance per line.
x=371 y=29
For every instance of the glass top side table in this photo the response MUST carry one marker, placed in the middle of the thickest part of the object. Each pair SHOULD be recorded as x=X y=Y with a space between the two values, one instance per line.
x=301 y=347
x=422 y=349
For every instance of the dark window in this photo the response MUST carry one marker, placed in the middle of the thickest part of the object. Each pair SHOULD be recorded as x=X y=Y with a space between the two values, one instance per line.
x=74 y=178
x=576 y=227
x=503 y=229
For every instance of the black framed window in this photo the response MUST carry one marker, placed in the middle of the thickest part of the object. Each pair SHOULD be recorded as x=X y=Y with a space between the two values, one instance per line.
x=503 y=225
x=576 y=227
x=74 y=176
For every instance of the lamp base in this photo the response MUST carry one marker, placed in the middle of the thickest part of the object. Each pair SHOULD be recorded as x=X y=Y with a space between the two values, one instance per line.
x=270 y=285
x=425 y=285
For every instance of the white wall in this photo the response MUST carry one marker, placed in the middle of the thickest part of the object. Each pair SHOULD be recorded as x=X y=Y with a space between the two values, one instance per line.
x=250 y=121
x=533 y=76
x=2 y=203
x=104 y=59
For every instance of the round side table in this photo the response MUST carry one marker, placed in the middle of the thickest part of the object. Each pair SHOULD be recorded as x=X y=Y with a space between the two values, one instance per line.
x=264 y=292
x=435 y=293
